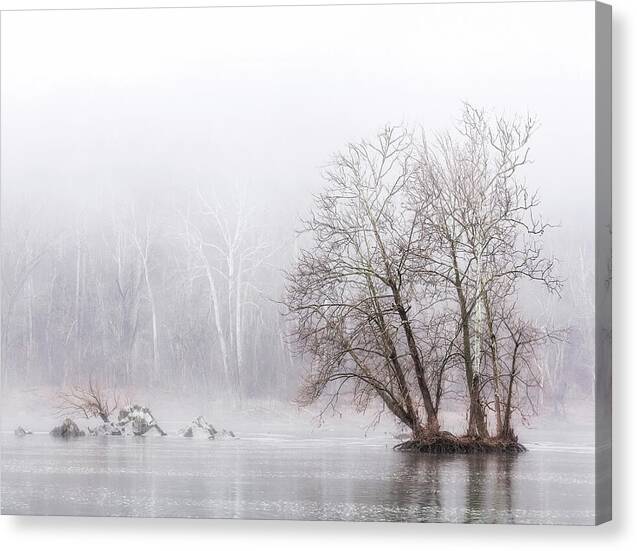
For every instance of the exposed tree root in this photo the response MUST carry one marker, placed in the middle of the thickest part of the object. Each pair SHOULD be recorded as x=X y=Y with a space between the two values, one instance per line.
x=447 y=443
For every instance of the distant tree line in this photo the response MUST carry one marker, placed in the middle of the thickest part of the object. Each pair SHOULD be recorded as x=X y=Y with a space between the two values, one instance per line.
x=146 y=293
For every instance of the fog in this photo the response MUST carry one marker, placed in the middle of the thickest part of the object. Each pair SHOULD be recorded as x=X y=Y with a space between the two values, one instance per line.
x=133 y=139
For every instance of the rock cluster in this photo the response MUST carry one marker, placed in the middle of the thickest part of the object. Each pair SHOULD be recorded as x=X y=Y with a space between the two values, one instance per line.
x=107 y=429
x=68 y=429
x=136 y=420
x=139 y=421
x=132 y=421
x=200 y=428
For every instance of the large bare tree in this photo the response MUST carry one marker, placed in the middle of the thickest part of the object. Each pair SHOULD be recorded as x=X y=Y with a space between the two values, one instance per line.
x=482 y=232
x=417 y=249
x=352 y=295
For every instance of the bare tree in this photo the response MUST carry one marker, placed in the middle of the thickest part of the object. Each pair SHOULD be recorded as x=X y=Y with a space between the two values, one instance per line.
x=416 y=253
x=351 y=295
x=125 y=297
x=90 y=401
x=143 y=242
x=520 y=378
x=23 y=250
x=227 y=251
x=481 y=231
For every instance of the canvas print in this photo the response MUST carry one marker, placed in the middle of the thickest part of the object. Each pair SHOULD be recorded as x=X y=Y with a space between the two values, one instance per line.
x=307 y=263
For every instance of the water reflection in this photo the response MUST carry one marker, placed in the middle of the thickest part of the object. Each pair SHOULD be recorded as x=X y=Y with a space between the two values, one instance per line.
x=505 y=466
x=417 y=487
x=474 y=488
x=292 y=479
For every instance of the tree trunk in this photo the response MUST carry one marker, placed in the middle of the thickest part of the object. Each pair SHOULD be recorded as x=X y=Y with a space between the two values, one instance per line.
x=388 y=399
x=153 y=313
x=214 y=299
x=507 y=430
x=493 y=347
x=432 y=417
x=477 y=421
x=394 y=362
x=78 y=310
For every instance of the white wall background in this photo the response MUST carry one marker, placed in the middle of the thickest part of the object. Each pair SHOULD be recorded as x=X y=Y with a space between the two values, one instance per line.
x=54 y=534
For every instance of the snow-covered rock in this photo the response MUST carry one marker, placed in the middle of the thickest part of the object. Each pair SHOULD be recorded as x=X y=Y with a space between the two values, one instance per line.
x=138 y=421
x=68 y=429
x=21 y=431
x=131 y=421
x=200 y=428
x=107 y=429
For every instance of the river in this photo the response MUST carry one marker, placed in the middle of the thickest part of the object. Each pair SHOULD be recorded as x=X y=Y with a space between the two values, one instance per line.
x=287 y=476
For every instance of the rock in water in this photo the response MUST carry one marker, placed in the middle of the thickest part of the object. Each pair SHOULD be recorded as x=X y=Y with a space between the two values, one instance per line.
x=138 y=420
x=68 y=429
x=224 y=434
x=132 y=421
x=200 y=428
x=154 y=430
x=187 y=433
x=107 y=429
x=20 y=431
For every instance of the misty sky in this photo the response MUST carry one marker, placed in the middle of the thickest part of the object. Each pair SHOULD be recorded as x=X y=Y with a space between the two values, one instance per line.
x=96 y=103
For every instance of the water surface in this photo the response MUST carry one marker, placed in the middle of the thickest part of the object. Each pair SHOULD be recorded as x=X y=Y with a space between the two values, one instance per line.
x=279 y=476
